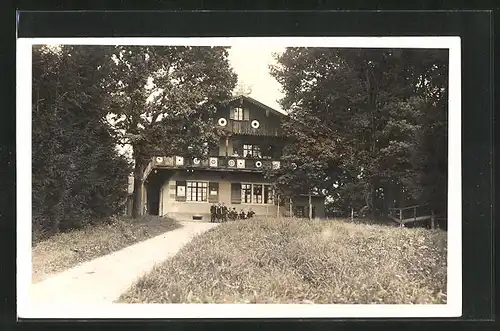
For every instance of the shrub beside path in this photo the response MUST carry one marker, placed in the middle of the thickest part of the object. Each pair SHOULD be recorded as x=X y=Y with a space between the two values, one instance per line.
x=102 y=280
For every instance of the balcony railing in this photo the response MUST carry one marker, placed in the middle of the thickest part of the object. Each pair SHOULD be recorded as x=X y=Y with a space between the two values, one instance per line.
x=216 y=162
x=245 y=127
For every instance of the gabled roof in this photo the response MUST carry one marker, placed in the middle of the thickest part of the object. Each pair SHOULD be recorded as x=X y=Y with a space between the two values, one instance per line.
x=255 y=102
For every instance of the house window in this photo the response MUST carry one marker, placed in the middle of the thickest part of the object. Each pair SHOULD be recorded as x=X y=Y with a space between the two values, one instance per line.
x=246 y=193
x=251 y=151
x=300 y=211
x=197 y=191
x=268 y=194
x=238 y=114
x=256 y=193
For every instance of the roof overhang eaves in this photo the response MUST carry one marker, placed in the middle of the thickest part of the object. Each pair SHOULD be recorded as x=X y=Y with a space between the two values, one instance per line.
x=257 y=103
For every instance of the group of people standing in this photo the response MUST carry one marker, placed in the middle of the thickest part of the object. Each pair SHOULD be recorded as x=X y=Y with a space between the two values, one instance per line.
x=220 y=213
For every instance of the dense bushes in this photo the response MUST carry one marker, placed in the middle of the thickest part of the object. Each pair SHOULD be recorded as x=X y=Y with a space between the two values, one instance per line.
x=78 y=177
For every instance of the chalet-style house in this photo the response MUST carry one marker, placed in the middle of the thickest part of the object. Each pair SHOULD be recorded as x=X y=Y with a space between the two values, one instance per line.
x=232 y=173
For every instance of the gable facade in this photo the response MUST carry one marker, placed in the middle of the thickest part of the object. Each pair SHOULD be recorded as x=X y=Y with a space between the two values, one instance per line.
x=231 y=173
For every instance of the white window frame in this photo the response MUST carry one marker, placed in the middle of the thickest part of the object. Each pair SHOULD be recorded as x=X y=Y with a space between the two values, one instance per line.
x=252 y=148
x=188 y=196
x=241 y=192
x=252 y=202
x=238 y=113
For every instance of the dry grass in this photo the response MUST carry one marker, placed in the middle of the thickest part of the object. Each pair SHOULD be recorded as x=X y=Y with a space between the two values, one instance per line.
x=294 y=261
x=66 y=250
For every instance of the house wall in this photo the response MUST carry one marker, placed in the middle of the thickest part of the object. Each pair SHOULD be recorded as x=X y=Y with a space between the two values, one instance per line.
x=263 y=116
x=269 y=120
x=184 y=210
x=318 y=203
x=268 y=136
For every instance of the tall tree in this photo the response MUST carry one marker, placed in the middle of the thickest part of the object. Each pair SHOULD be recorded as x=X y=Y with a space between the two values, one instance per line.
x=163 y=100
x=77 y=175
x=360 y=115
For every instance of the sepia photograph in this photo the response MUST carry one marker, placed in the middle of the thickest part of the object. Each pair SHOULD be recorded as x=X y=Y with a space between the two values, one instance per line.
x=303 y=172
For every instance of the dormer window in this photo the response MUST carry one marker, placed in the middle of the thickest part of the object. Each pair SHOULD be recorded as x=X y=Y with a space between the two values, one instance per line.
x=238 y=114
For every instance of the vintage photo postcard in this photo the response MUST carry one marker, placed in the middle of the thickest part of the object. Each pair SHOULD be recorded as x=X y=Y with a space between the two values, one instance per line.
x=270 y=177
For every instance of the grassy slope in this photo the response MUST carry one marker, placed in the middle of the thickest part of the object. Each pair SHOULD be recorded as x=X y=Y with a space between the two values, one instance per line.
x=293 y=261
x=57 y=253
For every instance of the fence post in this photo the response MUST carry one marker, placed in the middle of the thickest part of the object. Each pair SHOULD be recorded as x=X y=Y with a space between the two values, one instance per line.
x=401 y=216
x=278 y=210
x=415 y=213
x=433 y=225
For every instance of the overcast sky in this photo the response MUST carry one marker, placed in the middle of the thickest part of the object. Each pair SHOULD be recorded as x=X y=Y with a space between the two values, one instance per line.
x=252 y=66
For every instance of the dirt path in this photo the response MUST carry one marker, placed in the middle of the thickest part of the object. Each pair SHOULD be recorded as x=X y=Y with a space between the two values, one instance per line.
x=101 y=281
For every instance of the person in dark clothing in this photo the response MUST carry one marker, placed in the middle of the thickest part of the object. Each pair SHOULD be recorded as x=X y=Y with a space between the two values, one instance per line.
x=250 y=213
x=234 y=214
x=218 y=212
x=212 y=213
x=243 y=215
x=224 y=213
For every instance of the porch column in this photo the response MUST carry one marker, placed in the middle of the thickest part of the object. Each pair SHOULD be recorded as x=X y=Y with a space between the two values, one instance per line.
x=227 y=146
x=144 y=210
x=310 y=206
x=160 y=202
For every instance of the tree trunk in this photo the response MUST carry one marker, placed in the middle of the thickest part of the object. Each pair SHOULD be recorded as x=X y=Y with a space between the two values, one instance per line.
x=388 y=197
x=372 y=200
x=368 y=201
x=372 y=109
x=401 y=197
x=137 y=205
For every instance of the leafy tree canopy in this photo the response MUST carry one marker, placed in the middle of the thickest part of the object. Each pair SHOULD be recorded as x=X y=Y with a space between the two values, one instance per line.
x=78 y=177
x=162 y=99
x=362 y=120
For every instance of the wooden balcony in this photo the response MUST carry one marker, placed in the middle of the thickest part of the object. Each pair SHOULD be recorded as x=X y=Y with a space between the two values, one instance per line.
x=218 y=163
x=245 y=128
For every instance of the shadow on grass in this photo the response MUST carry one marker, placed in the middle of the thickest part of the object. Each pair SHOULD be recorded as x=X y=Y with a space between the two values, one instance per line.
x=65 y=250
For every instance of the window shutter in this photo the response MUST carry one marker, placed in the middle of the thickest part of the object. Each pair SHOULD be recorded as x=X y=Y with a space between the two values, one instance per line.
x=246 y=114
x=235 y=192
x=231 y=113
x=212 y=188
x=173 y=191
x=180 y=191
